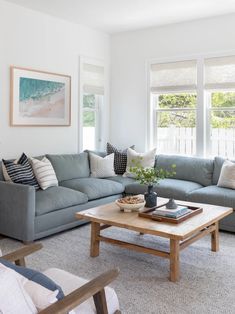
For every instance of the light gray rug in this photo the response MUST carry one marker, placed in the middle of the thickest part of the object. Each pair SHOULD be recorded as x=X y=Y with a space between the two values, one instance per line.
x=207 y=282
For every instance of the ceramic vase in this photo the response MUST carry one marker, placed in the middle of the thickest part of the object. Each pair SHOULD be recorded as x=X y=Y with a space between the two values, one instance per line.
x=150 y=197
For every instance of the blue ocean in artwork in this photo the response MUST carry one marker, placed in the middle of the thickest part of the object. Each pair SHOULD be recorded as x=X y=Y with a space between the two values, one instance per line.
x=33 y=88
x=41 y=98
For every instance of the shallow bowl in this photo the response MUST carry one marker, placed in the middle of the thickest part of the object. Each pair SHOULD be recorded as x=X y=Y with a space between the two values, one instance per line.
x=130 y=207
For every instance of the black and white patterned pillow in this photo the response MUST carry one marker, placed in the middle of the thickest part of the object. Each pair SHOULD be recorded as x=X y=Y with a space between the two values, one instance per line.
x=21 y=172
x=120 y=158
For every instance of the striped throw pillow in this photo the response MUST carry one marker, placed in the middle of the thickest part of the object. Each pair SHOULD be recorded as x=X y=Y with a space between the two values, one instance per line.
x=21 y=172
x=44 y=173
x=101 y=167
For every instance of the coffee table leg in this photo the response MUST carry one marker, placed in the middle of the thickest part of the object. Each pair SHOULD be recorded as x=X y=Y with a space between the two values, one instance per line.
x=95 y=243
x=174 y=260
x=215 y=238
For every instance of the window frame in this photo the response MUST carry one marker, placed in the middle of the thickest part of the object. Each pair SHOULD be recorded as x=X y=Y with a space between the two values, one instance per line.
x=99 y=106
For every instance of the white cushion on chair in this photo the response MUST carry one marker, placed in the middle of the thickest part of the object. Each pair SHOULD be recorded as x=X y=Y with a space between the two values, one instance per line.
x=13 y=297
x=41 y=296
x=70 y=282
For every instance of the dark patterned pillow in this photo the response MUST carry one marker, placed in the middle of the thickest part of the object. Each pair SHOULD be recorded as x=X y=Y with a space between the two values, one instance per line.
x=120 y=158
x=21 y=172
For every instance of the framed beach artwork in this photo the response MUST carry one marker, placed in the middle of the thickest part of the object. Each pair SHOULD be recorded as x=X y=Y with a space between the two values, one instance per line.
x=39 y=98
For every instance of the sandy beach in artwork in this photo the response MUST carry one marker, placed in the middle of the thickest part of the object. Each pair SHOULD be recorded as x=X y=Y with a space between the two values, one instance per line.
x=48 y=106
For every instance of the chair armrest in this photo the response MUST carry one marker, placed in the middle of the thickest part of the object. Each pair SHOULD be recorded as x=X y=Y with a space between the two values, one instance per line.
x=19 y=255
x=94 y=288
x=17 y=211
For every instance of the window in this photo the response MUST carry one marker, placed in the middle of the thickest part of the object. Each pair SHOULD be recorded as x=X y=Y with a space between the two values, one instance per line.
x=92 y=82
x=220 y=96
x=174 y=103
x=222 y=124
x=193 y=106
x=175 y=116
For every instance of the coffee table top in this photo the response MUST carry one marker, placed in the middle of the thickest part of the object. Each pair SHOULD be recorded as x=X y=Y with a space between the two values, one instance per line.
x=110 y=214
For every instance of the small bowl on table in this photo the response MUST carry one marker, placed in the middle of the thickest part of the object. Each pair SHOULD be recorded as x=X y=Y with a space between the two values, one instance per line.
x=130 y=203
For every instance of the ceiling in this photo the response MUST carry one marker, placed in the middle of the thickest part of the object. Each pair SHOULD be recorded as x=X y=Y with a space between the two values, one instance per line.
x=114 y=16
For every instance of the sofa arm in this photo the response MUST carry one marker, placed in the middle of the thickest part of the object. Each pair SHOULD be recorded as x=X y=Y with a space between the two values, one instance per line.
x=17 y=211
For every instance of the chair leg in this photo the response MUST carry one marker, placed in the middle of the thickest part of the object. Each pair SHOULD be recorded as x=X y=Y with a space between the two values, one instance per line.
x=100 y=302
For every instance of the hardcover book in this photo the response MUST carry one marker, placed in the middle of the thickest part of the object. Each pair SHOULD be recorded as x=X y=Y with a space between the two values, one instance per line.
x=173 y=213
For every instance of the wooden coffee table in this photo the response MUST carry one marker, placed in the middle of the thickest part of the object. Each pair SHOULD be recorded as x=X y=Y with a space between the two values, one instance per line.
x=180 y=236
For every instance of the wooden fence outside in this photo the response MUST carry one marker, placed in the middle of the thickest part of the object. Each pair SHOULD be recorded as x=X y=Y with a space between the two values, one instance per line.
x=175 y=140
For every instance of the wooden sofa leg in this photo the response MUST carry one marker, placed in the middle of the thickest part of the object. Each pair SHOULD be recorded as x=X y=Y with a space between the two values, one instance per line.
x=28 y=242
x=100 y=302
x=20 y=262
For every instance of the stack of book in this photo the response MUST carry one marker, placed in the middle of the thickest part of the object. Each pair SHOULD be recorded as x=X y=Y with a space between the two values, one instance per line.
x=171 y=213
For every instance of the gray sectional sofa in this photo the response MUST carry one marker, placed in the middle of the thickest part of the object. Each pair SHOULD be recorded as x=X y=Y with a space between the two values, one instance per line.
x=195 y=181
x=27 y=215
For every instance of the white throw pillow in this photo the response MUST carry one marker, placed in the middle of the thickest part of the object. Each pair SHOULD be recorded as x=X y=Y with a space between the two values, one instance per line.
x=13 y=297
x=44 y=172
x=102 y=167
x=227 y=175
x=40 y=296
x=146 y=160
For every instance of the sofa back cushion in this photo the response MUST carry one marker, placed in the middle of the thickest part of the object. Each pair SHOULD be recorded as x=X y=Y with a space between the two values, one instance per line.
x=96 y=152
x=70 y=166
x=194 y=169
x=218 y=163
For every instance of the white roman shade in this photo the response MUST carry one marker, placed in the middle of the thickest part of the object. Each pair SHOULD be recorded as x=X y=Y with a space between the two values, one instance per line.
x=173 y=76
x=93 y=79
x=220 y=73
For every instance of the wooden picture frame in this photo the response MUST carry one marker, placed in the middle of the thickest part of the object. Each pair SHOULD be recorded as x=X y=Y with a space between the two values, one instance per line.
x=39 y=98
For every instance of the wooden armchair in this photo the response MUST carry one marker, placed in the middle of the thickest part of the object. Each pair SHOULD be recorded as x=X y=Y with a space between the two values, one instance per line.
x=93 y=288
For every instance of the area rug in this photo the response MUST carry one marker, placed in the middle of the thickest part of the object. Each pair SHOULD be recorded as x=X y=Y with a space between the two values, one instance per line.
x=207 y=283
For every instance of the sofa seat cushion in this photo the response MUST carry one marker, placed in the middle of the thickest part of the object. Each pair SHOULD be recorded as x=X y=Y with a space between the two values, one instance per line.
x=213 y=195
x=123 y=180
x=94 y=188
x=70 y=282
x=57 y=197
x=169 y=188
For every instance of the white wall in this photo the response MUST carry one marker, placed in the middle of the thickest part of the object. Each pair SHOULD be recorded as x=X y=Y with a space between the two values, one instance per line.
x=38 y=41
x=130 y=52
